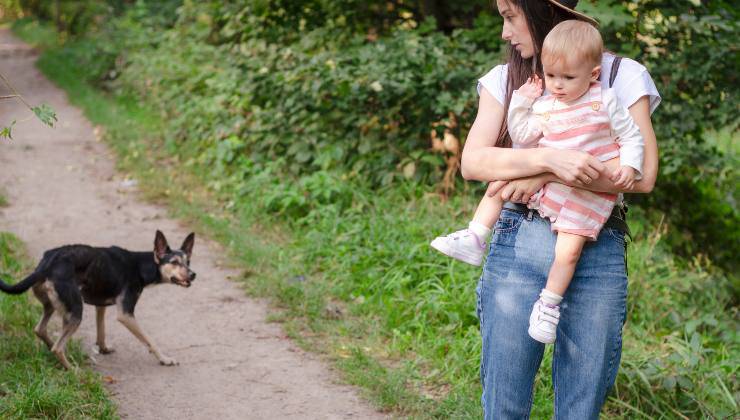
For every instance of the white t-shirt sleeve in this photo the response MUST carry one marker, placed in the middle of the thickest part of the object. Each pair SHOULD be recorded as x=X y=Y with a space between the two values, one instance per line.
x=632 y=82
x=631 y=142
x=495 y=82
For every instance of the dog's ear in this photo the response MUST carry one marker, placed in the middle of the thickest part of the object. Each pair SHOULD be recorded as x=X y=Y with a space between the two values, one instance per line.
x=187 y=244
x=160 y=247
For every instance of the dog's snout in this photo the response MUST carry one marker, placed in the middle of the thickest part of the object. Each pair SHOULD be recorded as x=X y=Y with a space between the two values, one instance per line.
x=192 y=275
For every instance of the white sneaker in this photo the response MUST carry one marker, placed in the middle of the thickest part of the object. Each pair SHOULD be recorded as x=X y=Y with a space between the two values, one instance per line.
x=543 y=322
x=462 y=245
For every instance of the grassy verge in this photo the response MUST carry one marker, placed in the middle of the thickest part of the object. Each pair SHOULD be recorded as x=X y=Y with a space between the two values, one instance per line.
x=32 y=383
x=350 y=274
x=36 y=34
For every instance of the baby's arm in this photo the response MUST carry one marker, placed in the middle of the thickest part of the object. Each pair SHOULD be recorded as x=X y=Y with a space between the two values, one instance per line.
x=524 y=127
x=631 y=142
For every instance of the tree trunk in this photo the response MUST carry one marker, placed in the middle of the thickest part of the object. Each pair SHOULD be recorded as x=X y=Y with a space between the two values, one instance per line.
x=58 y=15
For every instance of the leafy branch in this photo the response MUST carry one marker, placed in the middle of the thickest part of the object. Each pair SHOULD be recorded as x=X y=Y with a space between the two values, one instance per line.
x=43 y=112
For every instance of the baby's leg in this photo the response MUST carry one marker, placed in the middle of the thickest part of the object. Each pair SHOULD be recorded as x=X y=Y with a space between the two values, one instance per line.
x=469 y=245
x=545 y=315
x=567 y=252
x=489 y=209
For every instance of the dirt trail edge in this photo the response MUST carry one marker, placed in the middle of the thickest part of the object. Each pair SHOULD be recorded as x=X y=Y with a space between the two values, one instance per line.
x=62 y=188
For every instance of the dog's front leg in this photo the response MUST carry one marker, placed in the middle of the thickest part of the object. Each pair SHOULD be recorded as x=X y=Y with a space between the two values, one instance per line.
x=129 y=322
x=100 y=322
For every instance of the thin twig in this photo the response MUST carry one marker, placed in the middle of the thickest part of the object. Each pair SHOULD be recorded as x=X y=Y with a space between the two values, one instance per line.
x=7 y=83
x=9 y=96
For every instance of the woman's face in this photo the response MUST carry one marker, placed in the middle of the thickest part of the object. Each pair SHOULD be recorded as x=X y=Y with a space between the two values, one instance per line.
x=515 y=29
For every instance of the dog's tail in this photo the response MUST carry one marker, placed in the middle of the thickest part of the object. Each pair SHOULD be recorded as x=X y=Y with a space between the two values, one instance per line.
x=18 y=288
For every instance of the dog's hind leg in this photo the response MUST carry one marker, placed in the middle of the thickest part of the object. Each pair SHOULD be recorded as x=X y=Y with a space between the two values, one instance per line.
x=100 y=322
x=69 y=326
x=66 y=298
x=40 y=292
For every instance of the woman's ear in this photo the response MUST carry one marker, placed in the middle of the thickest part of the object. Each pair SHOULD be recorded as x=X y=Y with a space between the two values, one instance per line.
x=595 y=73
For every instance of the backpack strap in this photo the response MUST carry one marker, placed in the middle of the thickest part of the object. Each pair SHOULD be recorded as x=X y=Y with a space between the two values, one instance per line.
x=614 y=70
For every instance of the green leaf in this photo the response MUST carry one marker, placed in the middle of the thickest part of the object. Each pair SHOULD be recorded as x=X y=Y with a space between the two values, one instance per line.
x=607 y=14
x=684 y=382
x=695 y=342
x=46 y=114
x=691 y=325
x=669 y=383
x=7 y=131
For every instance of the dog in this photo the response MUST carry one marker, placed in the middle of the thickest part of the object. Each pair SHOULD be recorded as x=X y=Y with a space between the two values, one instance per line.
x=68 y=275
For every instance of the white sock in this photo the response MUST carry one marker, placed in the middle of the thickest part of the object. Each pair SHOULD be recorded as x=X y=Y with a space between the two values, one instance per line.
x=550 y=298
x=479 y=229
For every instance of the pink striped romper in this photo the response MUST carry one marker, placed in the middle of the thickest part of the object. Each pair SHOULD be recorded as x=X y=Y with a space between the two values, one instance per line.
x=595 y=123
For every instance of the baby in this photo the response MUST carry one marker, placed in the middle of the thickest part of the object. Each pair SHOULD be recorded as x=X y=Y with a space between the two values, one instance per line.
x=577 y=114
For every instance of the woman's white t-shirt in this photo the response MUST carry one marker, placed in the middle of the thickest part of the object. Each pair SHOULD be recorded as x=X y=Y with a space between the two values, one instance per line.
x=632 y=82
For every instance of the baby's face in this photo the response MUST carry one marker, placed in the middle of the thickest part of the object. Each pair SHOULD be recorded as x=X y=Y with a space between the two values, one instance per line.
x=568 y=80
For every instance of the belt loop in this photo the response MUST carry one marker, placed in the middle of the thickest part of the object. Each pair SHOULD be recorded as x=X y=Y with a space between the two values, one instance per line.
x=530 y=214
x=622 y=207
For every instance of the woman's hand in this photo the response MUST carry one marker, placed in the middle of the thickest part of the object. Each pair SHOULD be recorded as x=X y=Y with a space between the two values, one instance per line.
x=573 y=166
x=521 y=190
x=494 y=187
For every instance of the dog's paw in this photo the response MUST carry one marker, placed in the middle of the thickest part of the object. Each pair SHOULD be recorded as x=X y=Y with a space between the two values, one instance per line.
x=168 y=361
x=103 y=349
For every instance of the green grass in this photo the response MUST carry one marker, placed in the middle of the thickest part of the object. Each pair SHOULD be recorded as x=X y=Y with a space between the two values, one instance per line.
x=37 y=34
x=32 y=382
x=351 y=276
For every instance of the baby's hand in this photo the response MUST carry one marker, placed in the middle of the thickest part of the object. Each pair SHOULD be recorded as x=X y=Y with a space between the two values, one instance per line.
x=532 y=88
x=624 y=177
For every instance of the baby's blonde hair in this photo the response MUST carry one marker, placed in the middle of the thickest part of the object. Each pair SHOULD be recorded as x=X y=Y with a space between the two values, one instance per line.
x=573 y=40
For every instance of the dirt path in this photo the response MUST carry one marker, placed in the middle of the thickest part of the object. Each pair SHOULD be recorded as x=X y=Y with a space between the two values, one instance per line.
x=62 y=188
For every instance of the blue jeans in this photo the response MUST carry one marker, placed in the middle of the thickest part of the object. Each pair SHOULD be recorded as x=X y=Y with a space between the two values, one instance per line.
x=589 y=336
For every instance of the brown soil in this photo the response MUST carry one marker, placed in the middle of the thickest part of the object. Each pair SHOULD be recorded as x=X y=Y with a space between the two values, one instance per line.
x=62 y=188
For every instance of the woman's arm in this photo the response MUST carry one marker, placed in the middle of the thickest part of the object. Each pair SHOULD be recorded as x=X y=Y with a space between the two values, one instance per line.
x=482 y=161
x=640 y=112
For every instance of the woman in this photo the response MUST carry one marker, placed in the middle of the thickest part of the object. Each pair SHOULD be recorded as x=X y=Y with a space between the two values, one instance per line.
x=586 y=356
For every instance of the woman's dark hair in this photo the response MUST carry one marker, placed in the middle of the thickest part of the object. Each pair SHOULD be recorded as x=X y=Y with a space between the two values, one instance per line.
x=541 y=17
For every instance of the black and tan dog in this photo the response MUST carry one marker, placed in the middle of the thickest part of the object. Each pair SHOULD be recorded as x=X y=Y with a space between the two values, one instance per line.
x=69 y=275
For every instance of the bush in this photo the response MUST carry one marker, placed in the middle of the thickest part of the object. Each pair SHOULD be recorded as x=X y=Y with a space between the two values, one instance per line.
x=327 y=101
